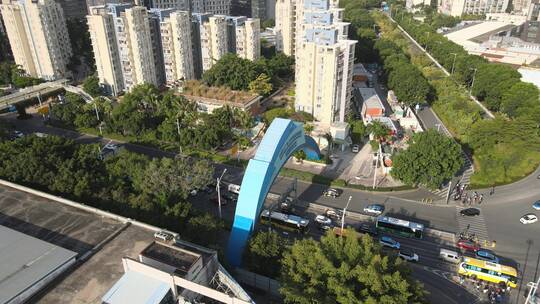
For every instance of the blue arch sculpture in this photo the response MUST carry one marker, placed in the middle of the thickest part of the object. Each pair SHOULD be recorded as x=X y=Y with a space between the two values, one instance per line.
x=282 y=139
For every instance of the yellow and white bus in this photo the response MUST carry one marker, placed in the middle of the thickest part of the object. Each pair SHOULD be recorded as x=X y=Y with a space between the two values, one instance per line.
x=488 y=271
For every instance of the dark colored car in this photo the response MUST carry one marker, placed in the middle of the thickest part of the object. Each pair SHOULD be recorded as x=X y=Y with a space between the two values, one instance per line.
x=467 y=245
x=224 y=200
x=470 y=212
x=366 y=228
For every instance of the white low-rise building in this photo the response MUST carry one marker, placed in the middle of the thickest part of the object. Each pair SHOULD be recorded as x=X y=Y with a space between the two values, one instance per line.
x=175 y=273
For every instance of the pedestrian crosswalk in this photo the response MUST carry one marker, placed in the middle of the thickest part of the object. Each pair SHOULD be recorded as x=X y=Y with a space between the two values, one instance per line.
x=465 y=178
x=472 y=224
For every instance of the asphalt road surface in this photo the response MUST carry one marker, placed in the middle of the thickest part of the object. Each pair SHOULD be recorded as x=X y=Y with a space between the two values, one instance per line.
x=516 y=243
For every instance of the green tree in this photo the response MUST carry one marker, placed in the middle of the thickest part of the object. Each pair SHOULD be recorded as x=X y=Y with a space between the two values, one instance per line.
x=300 y=155
x=204 y=229
x=380 y=131
x=358 y=131
x=329 y=149
x=491 y=81
x=91 y=86
x=262 y=85
x=430 y=159
x=270 y=115
x=346 y=270
x=520 y=99
x=5 y=72
x=281 y=65
x=20 y=79
x=308 y=128
x=231 y=71
x=266 y=23
x=264 y=252
x=172 y=179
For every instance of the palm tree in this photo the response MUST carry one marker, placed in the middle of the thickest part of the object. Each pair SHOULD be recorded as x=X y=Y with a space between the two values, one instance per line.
x=330 y=141
x=308 y=128
x=243 y=119
x=379 y=130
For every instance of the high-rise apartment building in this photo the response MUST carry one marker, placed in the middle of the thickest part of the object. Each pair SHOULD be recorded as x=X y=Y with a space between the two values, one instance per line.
x=217 y=7
x=248 y=42
x=285 y=26
x=214 y=43
x=134 y=45
x=140 y=46
x=324 y=61
x=472 y=7
x=38 y=37
x=127 y=46
x=101 y=26
x=177 y=47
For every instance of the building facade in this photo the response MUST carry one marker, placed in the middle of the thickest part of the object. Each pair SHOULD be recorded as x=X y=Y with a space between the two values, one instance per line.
x=472 y=7
x=248 y=43
x=214 y=43
x=216 y=7
x=38 y=37
x=285 y=27
x=127 y=47
x=105 y=47
x=177 y=47
x=134 y=45
x=324 y=62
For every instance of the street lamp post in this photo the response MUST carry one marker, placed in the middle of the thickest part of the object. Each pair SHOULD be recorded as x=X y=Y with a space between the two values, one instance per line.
x=453 y=63
x=219 y=190
x=343 y=215
x=473 y=77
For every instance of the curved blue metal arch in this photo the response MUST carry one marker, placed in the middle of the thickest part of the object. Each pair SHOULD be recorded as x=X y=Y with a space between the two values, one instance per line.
x=282 y=139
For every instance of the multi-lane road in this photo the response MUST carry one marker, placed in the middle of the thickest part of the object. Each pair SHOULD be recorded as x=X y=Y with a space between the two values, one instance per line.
x=499 y=219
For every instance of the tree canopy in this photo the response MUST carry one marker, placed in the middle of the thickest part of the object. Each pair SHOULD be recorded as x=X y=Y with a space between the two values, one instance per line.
x=237 y=73
x=430 y=159
x=346 y=270
x=91 y=86
x=264 y=253
x=129 y=184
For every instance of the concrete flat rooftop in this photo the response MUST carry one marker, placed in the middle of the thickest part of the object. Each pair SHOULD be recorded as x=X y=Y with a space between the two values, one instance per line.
x=75 y=230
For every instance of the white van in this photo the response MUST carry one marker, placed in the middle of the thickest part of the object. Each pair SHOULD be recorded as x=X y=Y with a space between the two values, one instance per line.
x=234 y=188
x=449 y=256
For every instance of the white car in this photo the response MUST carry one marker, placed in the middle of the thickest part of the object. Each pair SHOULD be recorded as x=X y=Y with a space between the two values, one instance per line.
x=387 y=241
x=408 y=255
x=375 y=209
x=111 y=146
x=528 y=219
x=323 y=220
x=355 y=148
x=18 y=134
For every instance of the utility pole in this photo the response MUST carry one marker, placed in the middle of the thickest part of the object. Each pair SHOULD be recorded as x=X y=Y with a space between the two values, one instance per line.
x=376 y=166
x=343 y=215
x=448 y=193
x=218 y=184
x=473 y=77
x=453 y=63
x=95 y=109
x=531 y=297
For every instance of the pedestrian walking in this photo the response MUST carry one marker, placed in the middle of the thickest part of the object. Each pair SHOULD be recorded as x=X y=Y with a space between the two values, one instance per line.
x=492 y=191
